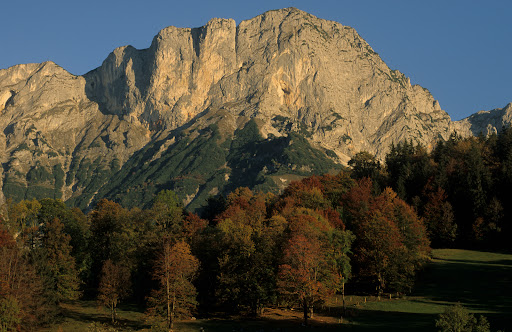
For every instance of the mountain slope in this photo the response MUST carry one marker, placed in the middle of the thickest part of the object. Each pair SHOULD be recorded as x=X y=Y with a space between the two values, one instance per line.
x=204 y=110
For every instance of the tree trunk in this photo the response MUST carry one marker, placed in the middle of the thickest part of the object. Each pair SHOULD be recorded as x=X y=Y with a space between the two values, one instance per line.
x=305 y=307
x=173 y=310
x=343 y=297
x=168 y=304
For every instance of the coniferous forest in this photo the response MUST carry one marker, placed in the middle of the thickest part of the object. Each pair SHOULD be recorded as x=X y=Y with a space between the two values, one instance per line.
x=366 y=230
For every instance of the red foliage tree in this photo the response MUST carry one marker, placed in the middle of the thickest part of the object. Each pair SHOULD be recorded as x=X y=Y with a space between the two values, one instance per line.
x=303 y=272
x=391 y=242
x=20 y=287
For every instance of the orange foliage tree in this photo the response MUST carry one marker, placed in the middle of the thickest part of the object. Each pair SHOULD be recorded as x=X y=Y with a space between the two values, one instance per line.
x=174 y=270
x=315 y=261
x=114 y=286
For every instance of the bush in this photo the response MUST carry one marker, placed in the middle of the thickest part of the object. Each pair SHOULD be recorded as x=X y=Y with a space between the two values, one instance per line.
x=458 y=319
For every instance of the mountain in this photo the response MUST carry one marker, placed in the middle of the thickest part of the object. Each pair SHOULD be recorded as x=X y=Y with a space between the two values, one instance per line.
x=485 y=122
x=204 y=110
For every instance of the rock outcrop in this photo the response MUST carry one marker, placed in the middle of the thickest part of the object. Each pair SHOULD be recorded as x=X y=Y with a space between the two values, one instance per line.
x=284 y=72
x=317 y=75
x=485 y=122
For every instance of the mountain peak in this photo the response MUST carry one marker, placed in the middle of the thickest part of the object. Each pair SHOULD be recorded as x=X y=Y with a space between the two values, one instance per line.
x=187 y=112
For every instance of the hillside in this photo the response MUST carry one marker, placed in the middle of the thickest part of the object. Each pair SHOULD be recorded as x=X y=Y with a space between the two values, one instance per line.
x=208 y=109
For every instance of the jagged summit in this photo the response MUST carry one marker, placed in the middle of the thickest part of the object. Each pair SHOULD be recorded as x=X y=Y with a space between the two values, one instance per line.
x=284 y=77
x=281 y=63
x=485 y=122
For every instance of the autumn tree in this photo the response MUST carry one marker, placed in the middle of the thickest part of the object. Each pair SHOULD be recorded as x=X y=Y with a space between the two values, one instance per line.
x=22 y=305
x=314 y=262
x=114 y=286
x=174 y=270
x=439 y=218
x=391 y=242
x=301 y=273
x=246 y=253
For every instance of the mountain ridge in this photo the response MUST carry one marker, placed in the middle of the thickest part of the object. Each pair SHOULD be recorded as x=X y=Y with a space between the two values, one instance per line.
x=285 y=71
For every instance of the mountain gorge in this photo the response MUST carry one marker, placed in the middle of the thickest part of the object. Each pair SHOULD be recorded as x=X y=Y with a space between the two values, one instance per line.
x=205 y=110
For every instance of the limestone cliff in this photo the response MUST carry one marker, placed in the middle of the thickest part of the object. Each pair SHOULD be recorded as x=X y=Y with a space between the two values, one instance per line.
x=316 y=75
x=485 y=122
x=286 y=81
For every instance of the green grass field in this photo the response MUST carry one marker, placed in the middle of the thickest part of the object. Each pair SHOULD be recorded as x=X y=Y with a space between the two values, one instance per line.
x=480 y=281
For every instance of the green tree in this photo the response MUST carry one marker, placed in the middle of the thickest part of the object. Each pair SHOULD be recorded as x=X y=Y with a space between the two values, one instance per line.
x=75 y=225
x=55 y=264
x=23 y=214
x=409 y=168
x=113 y=236
x=337 y=249
x=457 y=319
x=10 y=314
x=168 y=212
x=365 y=165
x=246 y=257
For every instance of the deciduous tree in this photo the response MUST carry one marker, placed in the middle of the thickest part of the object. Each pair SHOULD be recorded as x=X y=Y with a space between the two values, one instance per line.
x=303 y=272
x=174 y=270
x=114 y=286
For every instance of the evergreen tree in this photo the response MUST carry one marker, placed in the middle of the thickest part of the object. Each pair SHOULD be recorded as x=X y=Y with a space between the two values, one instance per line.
x=55 y=264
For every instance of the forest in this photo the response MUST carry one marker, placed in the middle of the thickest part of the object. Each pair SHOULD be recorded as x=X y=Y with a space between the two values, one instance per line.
x=369 y=229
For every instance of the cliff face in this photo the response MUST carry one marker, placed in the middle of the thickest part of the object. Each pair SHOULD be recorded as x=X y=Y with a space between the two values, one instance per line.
x=50 y=130
x=307 y=85
x=314 y=74
x=485 y=122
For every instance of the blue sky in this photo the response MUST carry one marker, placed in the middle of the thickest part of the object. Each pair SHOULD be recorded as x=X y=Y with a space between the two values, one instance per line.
x=460 y=50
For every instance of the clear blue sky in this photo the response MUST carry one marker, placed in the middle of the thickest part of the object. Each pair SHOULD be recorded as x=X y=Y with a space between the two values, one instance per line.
x=460 y=50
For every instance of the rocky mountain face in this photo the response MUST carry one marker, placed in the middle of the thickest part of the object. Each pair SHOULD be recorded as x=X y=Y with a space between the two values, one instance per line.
x=204 y=110
x=485 y=122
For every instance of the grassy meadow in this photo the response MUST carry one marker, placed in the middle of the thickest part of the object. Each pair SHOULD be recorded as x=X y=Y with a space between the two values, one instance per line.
x=480 y=281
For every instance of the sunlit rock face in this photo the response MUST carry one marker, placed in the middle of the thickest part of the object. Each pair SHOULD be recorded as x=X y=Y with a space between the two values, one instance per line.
x=485 y=122
x=319 y=75
x=66 y=136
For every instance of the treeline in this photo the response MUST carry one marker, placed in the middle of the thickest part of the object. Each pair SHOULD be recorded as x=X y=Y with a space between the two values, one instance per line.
x=251 y=251
x=368 y=228
x=461 y=189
